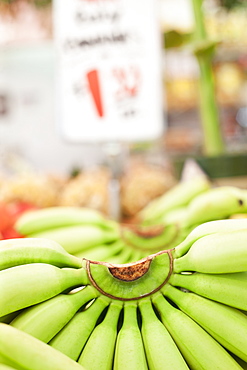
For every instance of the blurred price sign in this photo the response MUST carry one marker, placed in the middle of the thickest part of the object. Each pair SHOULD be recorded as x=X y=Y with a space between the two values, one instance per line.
x=109 y=70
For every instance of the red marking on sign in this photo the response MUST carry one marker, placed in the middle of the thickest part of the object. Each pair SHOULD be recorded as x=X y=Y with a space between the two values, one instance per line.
x=128 y=80
x=94 y=86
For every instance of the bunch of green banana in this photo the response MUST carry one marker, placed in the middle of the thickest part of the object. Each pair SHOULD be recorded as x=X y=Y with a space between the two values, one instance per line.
x=76 y=229
x=175 y=199
x=87 y=233
x=163 y=224
x=180 y=308
x=166 y=221
x=191 y=203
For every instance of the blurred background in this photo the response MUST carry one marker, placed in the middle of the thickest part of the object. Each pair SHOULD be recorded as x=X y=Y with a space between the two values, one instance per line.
x=39 y=166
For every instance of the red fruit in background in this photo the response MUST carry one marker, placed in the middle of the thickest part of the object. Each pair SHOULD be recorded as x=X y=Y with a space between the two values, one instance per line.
x=15 y=209
x=10 y=233
x=9 y=213
x=5 y=220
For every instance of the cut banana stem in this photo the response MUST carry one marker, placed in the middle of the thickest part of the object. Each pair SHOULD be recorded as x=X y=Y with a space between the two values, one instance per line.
x=99 y=350
x=161 y=350
x=198 y=348
x=21 y=251
x=130 y=353
x=77 y=238
x=208 y=228
x=156 y=241
x=226 y=324
x=43 y=281
x=130 y=281
x=219 y=253
x=52 y=217
x=229 y=289
x=46 y=319
x=72 y=338
x=23 y=351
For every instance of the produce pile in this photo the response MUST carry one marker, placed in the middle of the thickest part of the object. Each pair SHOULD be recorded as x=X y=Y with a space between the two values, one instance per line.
x=161 y=225
x=179 y=308
x=140 y=183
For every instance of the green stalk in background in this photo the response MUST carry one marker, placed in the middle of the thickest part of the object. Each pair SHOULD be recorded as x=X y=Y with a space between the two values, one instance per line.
x=203 y=50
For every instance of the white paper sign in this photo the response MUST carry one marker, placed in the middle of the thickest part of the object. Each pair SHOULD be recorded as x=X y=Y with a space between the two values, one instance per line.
x=109 y=70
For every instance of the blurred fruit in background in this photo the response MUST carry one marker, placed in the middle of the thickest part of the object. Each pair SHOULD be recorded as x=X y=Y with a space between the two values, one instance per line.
x=9 y=213
x=140 y=183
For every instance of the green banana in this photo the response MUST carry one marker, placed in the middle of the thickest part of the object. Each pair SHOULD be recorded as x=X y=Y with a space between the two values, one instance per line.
x=178 y=196
x=242 y=363
x=145 y=313
x=9 y=317
x=77 y=238
x=125 y=256
x=25 y=285
x=226 y=324
x=35 y=221
x=217 y=203
x=24 y=352
x=98 y=352
x=102 y=252
x=199 y=349
x=44 y=320
x=174 y=216
x=6 y=367
x=161 y=351
x=223 y=252
x=72 y=338
x=207 y=228
x=130 y=353
x=20 y=251
x=229 y=289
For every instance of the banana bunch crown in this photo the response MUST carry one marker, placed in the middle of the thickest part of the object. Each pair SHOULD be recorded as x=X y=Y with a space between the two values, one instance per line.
x=179 y=308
